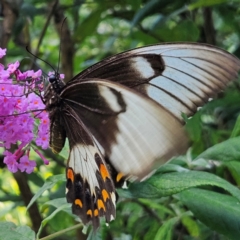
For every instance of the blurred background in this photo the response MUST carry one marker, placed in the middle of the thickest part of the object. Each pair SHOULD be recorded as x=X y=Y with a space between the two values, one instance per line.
x=93 y=30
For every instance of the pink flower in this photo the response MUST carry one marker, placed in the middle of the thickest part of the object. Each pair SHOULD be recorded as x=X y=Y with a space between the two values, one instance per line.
x=20 y=76
x=26 y=165
x=12 y=67
x=11 y=161
x=37 y=74
x=2 y=52
x=35 y=102
x=23 y=119
x=4 y=75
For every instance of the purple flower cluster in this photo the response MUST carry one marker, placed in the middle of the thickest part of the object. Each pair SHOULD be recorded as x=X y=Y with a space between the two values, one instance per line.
x=22 y=116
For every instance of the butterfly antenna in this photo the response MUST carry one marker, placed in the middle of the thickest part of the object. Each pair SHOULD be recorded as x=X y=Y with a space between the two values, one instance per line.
x=40 y=59
x=60 y=47
x=33 y=63
x=22 y=113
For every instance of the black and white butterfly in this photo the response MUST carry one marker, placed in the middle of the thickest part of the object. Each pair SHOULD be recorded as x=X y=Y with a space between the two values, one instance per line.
x=123 y=116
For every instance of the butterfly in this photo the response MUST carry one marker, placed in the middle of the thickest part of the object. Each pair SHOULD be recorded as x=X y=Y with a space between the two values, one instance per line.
x=123 y=117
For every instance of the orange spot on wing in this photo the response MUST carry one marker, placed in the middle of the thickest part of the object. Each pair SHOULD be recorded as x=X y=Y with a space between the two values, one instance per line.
x=119 y=177
x=104 y=172
x=105 y=195
x=101 y=205
x=79 y=203
x=89 y=212
x=95 y=212
x=70 y=174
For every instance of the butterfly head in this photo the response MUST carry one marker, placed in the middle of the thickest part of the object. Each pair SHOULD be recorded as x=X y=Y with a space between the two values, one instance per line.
x=52 y=78
x=56 y=82
x=55 y=87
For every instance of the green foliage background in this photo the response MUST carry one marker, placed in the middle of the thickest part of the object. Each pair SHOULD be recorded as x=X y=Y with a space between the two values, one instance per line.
x=195 y=196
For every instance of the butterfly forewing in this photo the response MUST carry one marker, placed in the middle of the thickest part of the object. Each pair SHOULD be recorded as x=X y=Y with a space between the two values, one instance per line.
x=128 y=110
x=180 y=77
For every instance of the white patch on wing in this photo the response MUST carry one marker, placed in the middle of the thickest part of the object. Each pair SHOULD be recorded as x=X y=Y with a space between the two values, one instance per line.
x=110 y=98
x=176 y=90
x=147 y=133
x=142 y=66
x=124 y=186
x=82 y=161
x=166 y=100
x=199 y=70
x=113 y=197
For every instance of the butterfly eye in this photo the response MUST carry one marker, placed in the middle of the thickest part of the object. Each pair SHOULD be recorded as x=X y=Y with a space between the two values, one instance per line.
x=52 y=78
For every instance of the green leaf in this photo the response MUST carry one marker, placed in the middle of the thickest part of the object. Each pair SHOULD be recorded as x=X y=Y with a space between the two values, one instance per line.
x=166 y=230
x=205 y=3
x=218 y=211
x=234 y=169
x=136 y=4
x=147 y=9
x=88 y=26
x=153 y=227
x=50 y=182
x=184 y=31
x=146 y=38
x=225 y=151
x=58 y=202
x=193 y=127
x=166 y=19
x=156 y=206
x=191 y=225
x=94 y=235
x=45 y=221
x=9 y=231
x=36 y=179
x=30 y=10
x=171 y=168
x=161 y=185
x=236 y=129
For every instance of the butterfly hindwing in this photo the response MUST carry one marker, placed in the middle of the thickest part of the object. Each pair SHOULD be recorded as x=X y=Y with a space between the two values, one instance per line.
x=89 y=184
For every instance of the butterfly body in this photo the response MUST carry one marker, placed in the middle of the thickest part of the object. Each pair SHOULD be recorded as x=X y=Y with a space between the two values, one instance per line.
x=124 y=116
x=53 y=107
